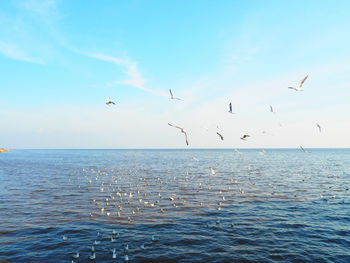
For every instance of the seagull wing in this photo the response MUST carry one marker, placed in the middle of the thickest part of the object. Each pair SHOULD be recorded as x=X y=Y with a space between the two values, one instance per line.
x=175 y=126
x=319 y=127
x=186 y=138
x=302 y=81
x=230 y=107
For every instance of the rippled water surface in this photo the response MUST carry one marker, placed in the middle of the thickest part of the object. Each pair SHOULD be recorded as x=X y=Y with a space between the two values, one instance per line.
x=262 y=206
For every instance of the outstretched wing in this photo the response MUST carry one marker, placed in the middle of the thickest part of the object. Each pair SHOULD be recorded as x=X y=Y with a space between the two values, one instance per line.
x=186 y=138
x=302 y=81
x=175 y=126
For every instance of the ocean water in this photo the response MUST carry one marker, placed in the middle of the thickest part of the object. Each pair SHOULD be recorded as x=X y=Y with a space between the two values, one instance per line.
x=280 y=205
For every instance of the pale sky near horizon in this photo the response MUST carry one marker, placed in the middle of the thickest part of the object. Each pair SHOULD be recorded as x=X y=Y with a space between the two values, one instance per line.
x=60 y=60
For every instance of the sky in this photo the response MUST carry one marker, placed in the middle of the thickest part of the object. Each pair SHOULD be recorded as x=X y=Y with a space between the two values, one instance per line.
x=60 y=60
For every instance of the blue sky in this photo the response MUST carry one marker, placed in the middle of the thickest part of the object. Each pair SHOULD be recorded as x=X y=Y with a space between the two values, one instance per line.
x=59 y=60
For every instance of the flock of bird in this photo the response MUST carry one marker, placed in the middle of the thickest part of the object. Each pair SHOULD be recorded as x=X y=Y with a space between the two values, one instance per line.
x=245 y=136
x=128 y=194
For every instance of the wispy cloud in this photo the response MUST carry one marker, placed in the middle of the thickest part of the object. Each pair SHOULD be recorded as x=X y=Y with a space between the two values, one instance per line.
x=12 y=51
x=130 y=69
x=43 y=8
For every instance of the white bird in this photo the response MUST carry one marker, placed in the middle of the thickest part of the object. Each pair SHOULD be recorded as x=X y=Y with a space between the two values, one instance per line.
x=212 y=171
x=230 y=108
x=114 y=253
x=113 y=239
x=97 y=242
x=92 y=249
x=126 y=258
x=142 y=246
x=64 y=238
x=76 y=255
x=126 y=248
x=301 y=147
x=271 y=109
x=93 y=256
x=300 y=84
x=181 y=129
x=172 y=96
x=114 y=232
x=154 y=238
x=109 y=102
x=318 y=126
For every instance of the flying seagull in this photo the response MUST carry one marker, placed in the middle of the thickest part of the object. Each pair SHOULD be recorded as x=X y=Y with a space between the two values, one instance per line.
x=109 y=102
x=172 y=96
x=300 y=84
x=230 y=108
x=301 y=147
x=181 y=129
x=318 y=126
x=271 y=109
x=244 y=137
x=221 y=137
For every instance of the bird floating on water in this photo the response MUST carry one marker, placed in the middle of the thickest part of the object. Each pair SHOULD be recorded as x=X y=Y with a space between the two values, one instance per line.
x=126 y=258
x=154 y=238
x=181 y=129
x=97 y=242
x=299 y=88
x=114 y=253
x=244 y=137
x=172 y=96
x=64 y=237
x=142 y=246
x=109 y=102
x=76 y=255
x=212 y=171
x=93 y=256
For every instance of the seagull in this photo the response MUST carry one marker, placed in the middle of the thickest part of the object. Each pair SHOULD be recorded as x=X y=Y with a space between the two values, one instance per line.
x=230 y=108
x=142 y=246
x=212 y=171
x=93 y=256
x=221 y=137
x=114 y=253
x=64 y=238
x=126 y=258
x=271 y=109
x=76 y=255
x=97 y=242
x=154 y=238
x=172 y=96
x=301 y=147
x=300 y=84
x=181 y=129
x=126 y=248
x=109 y=102
x=244 y=137
x=318 y=126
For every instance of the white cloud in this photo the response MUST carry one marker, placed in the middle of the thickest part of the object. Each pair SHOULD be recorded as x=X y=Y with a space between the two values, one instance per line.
x=12 y=51
x=130 y=69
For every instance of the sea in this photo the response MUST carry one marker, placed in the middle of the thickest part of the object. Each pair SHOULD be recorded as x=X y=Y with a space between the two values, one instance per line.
x=176 y=205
